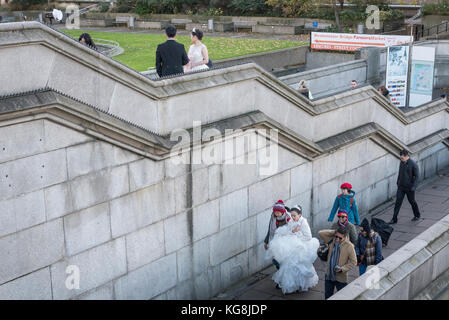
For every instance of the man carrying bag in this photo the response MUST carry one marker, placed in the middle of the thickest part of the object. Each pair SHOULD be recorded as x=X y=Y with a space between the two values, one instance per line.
x=341 y=259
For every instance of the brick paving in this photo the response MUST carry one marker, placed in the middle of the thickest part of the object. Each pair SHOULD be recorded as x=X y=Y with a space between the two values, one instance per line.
x=433 y=201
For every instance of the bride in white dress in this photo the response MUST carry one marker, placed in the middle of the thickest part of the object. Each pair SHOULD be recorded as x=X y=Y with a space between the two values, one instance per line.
x=198 y=54
x=295 y=250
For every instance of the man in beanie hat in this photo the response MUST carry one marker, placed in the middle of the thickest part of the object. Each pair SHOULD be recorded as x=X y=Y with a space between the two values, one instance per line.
x=346 y=201
x=279 y=218
x=368 y=247
x=344 y=223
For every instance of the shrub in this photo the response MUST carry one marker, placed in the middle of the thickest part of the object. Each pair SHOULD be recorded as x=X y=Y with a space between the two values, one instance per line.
x=246 y=7
x=440 y=8
x=391 y=15
x=104 y=7
x=215 y=12
x=27 y=4
x=291 y=8
x=124 y=6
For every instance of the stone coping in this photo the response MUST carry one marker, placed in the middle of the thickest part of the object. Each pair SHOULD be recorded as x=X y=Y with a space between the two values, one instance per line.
x=37 y=33
x=34 y=33
x=395 y=272
x=258 y=54
x=68 y=111
x=325 y=71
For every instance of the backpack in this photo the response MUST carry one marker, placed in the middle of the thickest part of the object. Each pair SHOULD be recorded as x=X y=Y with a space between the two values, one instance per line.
x=323 y=251
x=351 y=201
x=382 y=228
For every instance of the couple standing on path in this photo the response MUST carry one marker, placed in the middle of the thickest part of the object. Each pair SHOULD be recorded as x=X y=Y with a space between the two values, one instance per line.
x=171 y=56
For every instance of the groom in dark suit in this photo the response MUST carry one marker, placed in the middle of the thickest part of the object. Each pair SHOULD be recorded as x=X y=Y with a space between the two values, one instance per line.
x=171 y=56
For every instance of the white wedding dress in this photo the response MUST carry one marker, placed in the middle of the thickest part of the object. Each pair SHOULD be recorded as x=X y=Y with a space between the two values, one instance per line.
x=295 y=252
x=196 y=56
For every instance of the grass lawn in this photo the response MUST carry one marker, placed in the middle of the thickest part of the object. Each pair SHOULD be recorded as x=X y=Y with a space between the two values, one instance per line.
x=140 y=49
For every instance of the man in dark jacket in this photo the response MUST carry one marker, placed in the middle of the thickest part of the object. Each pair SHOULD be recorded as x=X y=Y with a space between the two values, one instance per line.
x=407 y=183
x=171 y=56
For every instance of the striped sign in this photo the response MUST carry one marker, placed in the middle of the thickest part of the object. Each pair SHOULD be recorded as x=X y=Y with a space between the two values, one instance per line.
x=352 y=42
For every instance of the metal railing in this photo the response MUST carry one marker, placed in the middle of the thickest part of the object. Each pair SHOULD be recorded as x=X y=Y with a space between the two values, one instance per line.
x=433 y=30
x=108 y=47
x=152 y=75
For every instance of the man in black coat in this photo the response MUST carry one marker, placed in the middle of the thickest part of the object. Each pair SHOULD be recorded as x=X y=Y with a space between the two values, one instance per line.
x=171 y=56
x=407 y=183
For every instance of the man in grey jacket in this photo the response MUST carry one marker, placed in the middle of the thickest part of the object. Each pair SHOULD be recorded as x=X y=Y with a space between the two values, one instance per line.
x=407 y=183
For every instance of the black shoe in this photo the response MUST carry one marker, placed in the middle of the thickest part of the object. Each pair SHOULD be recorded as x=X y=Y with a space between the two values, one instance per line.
x=277 y=286
x=393 y=221
x=415 y=219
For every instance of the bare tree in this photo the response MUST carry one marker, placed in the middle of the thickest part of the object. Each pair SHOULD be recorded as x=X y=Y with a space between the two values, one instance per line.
x=337 y=17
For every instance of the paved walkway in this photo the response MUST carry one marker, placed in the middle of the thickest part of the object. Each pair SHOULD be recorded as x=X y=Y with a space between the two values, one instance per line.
x=433 y=201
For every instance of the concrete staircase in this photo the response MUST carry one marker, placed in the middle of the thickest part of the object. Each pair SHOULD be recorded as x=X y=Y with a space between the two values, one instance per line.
x=89 y=176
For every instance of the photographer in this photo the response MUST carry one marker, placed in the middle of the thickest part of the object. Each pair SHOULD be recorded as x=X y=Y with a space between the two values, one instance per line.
x=341 y=259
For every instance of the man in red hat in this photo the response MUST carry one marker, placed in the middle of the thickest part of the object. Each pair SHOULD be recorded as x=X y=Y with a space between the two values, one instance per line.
x=346 y=201
x=344 y=223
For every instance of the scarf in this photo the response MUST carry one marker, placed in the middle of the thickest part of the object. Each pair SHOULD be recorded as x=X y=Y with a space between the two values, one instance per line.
x=274 y=223
x=334 y=261
x=343 y=225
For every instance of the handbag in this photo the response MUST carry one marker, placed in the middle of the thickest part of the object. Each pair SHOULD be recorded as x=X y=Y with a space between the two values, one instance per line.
x=323 y=251
x=210 y=64
x=362 y=256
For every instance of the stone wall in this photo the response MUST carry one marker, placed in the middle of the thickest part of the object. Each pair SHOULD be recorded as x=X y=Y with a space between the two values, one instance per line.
x=329 y=79
x=316 y=59
x=269 y=61
x=120 y=218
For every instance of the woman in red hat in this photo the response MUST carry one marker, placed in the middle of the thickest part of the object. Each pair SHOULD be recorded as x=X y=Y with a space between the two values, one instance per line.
x=346 y=201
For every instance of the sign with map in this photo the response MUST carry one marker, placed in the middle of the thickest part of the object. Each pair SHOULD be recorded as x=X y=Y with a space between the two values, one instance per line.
x=397 y=71
x=421 y=79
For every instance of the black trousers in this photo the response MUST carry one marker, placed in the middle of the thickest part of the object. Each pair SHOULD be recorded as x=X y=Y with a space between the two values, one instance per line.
x=411 y=199
x=329 y=287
